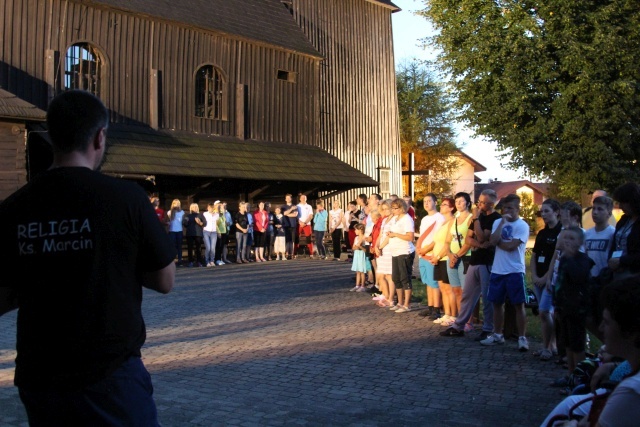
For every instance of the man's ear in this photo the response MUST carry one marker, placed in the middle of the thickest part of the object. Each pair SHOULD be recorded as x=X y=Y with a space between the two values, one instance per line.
x=100 y=140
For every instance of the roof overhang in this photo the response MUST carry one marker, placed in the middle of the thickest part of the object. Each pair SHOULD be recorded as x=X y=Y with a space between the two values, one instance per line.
x=12 y=107
x=213 y=161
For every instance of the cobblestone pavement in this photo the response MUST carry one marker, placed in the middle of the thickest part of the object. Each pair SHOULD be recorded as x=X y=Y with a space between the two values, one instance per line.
x=285 y=343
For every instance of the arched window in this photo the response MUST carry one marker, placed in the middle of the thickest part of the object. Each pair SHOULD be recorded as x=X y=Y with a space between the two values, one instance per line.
x=209 y=93
x=83 y=68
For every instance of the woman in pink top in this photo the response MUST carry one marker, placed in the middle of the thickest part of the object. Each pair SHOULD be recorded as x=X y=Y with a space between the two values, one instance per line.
x=260 y=224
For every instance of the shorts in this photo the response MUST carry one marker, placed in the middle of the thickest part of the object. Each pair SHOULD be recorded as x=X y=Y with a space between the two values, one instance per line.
x=440 y=272
x=545 y=299
x=426 y=273
x=506 y=285
x=399 y=269
x=572 y=330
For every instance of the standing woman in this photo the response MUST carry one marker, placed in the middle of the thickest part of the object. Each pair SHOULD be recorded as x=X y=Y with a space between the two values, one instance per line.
x=383 y=261
x=320 y=227
x=260 y=224
x=271 y=233
x=439 y=259
x=194 y=224
x=625 y=251
x=459 y=250
x=175 y=215
x=353 y=215
x=241 y=224
x=210 y=234
x=429 y=226
x=223 y=236
x=336 y=227
x=401 y=245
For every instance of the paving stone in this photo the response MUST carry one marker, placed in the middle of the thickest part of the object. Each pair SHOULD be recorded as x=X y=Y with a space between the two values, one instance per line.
x=274 y=344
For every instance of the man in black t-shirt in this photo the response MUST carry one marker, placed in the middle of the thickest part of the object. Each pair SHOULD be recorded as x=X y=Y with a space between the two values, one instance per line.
x=476 y=281
x=82 y=263
x=290 y=224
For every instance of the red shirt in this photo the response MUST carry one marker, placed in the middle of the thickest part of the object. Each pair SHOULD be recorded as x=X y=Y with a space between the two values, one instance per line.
x=261 y=220
x=160 y=214
x=376 y=232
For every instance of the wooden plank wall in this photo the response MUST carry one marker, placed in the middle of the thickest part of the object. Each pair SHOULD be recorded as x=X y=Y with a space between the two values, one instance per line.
x=132 y=46
x=358 y=101
x=12 y=158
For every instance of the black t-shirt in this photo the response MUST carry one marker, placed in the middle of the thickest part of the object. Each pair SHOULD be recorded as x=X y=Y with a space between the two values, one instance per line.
x=242 y=220
x=484 y=256
x=289 y=222
x=78 y=241
x=544 y=247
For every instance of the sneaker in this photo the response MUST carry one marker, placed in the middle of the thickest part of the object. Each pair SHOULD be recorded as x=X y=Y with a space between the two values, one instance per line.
x=493 y=339
x=403 y=309
x=523 y=344
x=219 y=263
x=483 y=336
x=361 y=289
x=354 y=289
x=451 y=332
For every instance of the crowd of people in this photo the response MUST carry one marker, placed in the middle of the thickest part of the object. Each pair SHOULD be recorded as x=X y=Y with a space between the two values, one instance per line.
x=585 y=280
x=93 y=329
x=465 y=254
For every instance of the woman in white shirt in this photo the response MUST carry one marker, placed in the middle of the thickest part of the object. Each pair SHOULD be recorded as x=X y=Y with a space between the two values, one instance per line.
x=336 y=227
x=401 y=246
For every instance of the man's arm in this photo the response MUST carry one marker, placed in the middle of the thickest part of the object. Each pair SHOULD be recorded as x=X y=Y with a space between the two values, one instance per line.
x=8 y=300
x=160 y=280
x=496 y=236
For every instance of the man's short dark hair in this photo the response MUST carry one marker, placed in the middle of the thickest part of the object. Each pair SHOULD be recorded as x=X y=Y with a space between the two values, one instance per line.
x=572 y=208
x=605 y=201
x=377 y=196
x=73 y=119
x=433 y=197
x=511 y=198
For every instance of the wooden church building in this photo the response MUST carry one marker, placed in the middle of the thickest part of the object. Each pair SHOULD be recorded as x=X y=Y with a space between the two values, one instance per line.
x=226 y=99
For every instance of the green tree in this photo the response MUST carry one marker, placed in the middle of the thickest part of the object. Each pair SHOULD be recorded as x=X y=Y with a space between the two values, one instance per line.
x=426 y=117
x=528 y=211
x=554 y=83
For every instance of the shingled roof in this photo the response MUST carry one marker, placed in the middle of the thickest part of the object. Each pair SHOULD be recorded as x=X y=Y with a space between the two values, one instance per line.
x=387 y=3
x=139 y=150
x=266 y=21
x=16 y=108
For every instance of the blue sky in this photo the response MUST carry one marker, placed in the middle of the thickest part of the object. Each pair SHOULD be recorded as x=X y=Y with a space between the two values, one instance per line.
x=408 y=29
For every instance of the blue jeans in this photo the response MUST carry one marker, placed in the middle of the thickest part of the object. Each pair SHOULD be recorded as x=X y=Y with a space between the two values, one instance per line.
x=319 y=235
x=124 y=398
x=210 y=240
x=241 y=244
